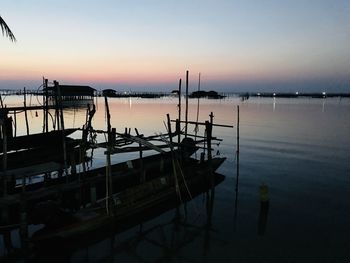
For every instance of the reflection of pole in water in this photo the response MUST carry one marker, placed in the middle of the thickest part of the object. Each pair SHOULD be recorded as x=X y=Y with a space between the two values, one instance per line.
x=323 y=104
x=274 y=103
x=206 y=243
x=237 y=172
x=264 y=208
x=130 y=103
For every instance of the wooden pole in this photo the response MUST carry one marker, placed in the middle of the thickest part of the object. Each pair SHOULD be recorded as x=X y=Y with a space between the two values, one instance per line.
x=4 y=155
x=174 y=179
x=196 y=128
x=25 y=110
x=57 y=86
x=237 y=153
x=142 y=170
x=186 y=113
x=237 y=172
x=15 y=122
x=209 y=128
x=179 y=108
x=46 y=110
x=108 y=161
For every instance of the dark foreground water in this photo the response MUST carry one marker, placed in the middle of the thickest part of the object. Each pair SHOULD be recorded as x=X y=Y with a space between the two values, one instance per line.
x=300 y=148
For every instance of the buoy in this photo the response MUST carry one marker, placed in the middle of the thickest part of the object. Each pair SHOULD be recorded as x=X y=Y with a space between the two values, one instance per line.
x=264 y=193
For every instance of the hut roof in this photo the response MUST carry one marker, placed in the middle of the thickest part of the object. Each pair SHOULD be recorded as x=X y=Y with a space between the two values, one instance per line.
x=109 y=90
x=73 y=90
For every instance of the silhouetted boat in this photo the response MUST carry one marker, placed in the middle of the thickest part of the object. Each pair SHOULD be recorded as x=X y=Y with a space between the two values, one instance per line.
x=132 y=206
x=33 y=156
x=52 y=138
x=85 y=187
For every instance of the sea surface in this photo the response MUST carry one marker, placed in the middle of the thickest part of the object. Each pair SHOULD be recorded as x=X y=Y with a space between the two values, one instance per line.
x=299 y=148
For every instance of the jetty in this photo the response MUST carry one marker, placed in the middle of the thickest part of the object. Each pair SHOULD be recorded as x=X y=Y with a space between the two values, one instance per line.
x=48 y=189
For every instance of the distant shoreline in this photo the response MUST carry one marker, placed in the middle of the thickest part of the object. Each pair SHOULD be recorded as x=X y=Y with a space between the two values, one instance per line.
x=220 y=95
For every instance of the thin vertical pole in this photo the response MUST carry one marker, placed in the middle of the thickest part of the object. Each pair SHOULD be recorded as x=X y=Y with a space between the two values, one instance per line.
x=57 y=86
x=4 y=155
x=186 y=113
x=196 y=128
x=179 y=108
x=209 y=126
x=108 y=160
x=174 y=179
x=15 y=122
x=1 y=102
x=46 y=110
x=142 y=169
x=25 y=110
x=237 y=172
x=237 y=153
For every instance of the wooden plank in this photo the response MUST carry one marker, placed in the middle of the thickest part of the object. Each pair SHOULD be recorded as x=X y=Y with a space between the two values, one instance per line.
x=203 y=123
x=141 y=141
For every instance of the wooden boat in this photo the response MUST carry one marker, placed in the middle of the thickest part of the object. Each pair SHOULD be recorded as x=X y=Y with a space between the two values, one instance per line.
x=52 y=138
x=81 y=188
x=122 y=172
x=132 y=206
x=37 y=155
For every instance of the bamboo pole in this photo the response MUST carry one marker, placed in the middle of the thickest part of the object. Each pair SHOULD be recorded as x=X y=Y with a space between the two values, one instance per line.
x=237 y=172
x=57 y=86
x=209 y=127
x=4 y=155
x=25 y=110
x=15 y=122
x=186 y=113
x=46 y=110
x=179 y=108
x=197 y=117
x=237 y=157
x=142 y=170
x=108 y=161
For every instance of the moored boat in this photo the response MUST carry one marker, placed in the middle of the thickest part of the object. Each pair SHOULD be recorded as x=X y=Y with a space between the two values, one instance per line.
x=133 y=205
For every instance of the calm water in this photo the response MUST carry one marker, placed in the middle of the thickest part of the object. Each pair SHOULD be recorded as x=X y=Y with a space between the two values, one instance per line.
x=299 y=147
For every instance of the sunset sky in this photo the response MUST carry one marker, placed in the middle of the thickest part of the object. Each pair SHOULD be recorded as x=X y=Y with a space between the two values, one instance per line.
x=237 y=45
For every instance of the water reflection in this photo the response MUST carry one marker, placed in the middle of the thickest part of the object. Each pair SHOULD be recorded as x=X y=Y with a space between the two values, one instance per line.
x=302 y=149
x=164 y=239
x=264 y=208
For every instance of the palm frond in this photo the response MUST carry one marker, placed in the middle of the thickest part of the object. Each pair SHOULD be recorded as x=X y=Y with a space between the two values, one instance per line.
x=6 y=31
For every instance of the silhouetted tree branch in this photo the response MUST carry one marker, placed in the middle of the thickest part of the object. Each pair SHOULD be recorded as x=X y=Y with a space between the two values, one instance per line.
x=6 y=31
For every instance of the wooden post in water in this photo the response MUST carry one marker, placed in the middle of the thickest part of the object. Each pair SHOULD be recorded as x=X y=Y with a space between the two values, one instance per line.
x=197 y=117
x=57 y=87
x=179 y=108
x=237 y=153
x=25 y=110
x=1 y=102
x=46 y=108
x=4 y=154
x=186 y=113
x=174 y=179
x=209 y=128
x=237 y=172
x=15 y=122
x=108 y=161
x=142 y=169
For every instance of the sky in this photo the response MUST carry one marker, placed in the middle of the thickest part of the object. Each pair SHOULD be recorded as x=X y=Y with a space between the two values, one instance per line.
x=147 y=45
